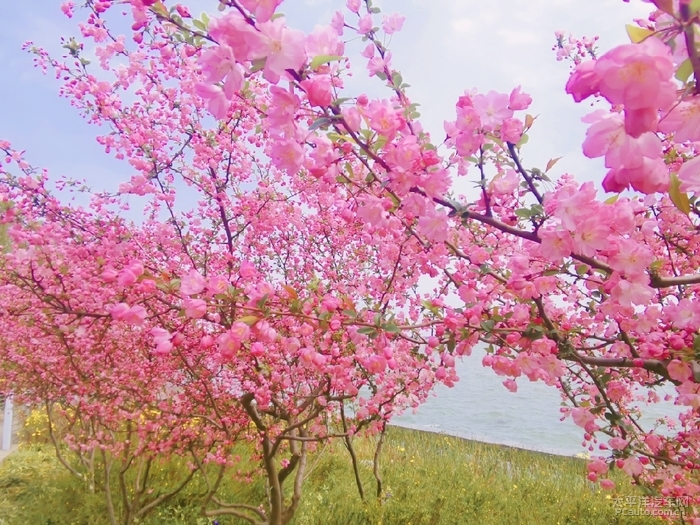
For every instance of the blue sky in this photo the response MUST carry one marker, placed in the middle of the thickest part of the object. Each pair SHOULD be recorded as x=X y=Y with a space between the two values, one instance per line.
x=446 y=46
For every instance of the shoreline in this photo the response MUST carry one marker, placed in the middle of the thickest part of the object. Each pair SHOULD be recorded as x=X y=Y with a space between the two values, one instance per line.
x=474 y=438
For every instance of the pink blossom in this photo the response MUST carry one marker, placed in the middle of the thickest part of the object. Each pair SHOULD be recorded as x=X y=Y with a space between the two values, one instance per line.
x=637 y=75
x=618 y=443
x=556 y=244
x=597 y=466
x=109 y=274
x=195 y=308
x=262 y=9
x=519 y=100
x=392 y=23
x=376 y=364
x=160 y=335
x=133 y=315
x=467 y=144
x=679 y=371
x=684 y=315
x=689 y=175
x=365 y=24
x=584 y=419
x=492 y=108
x=183 y=11
x=629 y=293
x=247 y=270
x=285 y=49
x=384 y=119
x=372 y=211
x=287 y=155
x=193 y=283
x=511 y=130
x=631 y=258
x=216 y=100
x=234 y=31
x=239 y=331
x=607 y=484
x=651 y=177
x=352 y=118
x=584 y=81
x=607 y=136
x=642 y=120
x=228 y=345
x=590 y=236
x=632 y=466
x=330 y=303
x=505 y=183
x=126 y=277
x=218 y=284
x=353 y=5
x=324 y=41
x=683 y=121
x=218 y=63
x=265 y=332
x=67 y=8
x=257 y=349
x=377 y=64
x=319 y=90
x=433 y=225
x=338 y=22
x=468 y=119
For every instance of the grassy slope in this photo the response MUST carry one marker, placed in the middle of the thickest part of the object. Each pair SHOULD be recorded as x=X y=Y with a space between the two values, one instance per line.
x=429 y=479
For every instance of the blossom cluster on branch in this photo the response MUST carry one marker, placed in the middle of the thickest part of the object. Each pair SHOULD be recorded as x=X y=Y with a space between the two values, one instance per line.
x=305 y=269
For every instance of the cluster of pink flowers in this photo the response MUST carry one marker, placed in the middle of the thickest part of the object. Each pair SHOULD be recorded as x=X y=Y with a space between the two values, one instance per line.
x=329 y=262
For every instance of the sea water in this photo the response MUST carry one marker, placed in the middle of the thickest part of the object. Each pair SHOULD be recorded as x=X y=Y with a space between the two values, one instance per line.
x=479 y=407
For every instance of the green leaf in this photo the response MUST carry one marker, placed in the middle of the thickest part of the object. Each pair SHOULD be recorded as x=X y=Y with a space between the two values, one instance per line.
x=319 y=123
x=323 y=59
x=451 y=343
x=199 y=24
x=261 y=303
x=487 y=325
x=656 y=265
x=679 y=198
x=638 y=34
x=665 y=5
x=581 y=269
x=696 y=343
x=367 y=330
x=694 y=6
x=391 y=328
x=160 y=9
x=529 y=120
x=258 y=64
x=684 y=70
x=551 y=163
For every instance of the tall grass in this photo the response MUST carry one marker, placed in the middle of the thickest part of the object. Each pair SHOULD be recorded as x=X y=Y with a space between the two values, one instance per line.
x=429 y=479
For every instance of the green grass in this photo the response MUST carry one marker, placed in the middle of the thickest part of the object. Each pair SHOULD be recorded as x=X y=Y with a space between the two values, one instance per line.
x=430 y=479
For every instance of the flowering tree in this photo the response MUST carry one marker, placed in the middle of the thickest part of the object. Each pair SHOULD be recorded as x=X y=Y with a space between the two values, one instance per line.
x=304 y=248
